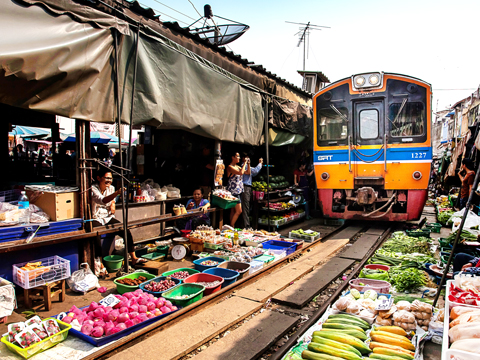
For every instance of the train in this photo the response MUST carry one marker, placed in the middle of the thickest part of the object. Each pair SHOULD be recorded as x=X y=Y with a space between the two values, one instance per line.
x=372 y=147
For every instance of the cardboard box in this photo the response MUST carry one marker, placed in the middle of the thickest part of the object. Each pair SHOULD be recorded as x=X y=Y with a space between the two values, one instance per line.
x=62 y=206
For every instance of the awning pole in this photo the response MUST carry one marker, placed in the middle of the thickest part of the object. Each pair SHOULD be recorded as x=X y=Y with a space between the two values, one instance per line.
x=268 y=161
x=459 y=231
x=122 y=181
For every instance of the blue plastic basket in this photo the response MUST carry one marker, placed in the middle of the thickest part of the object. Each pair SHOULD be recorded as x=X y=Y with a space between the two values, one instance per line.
x=280 y=245
x=200 y=267
x=229 y=276
x=157 y=279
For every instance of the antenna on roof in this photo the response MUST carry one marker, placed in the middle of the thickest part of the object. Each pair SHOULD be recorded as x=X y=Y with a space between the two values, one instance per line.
x=304 y=36
x=217 y=34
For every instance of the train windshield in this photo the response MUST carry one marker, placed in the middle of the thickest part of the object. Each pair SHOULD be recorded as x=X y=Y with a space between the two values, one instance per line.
x=332 y=123
x=407 y=119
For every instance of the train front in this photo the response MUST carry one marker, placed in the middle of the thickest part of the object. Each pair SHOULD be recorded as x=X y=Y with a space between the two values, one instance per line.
x=373 y=147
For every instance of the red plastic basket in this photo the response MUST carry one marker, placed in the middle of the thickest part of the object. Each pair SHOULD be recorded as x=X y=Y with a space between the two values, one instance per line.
x=377 y=266
x=202 y=277
x=379 y=286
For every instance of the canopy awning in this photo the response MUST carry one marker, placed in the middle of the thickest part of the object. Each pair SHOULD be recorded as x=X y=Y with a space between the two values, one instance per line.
x=29 y=131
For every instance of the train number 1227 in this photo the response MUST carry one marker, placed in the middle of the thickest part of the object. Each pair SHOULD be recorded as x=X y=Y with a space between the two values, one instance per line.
x=419 y=155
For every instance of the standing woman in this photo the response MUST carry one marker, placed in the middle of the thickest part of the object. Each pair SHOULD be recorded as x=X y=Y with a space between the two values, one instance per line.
x=300 y=180
x=235 y=185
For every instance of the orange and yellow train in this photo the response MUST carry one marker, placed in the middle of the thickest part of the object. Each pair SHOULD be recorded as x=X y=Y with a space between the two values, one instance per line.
x=372 y=147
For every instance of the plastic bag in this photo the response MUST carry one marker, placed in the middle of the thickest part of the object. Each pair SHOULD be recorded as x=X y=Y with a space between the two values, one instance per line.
x=472 y=220
x=83 y=280
x=39 y=217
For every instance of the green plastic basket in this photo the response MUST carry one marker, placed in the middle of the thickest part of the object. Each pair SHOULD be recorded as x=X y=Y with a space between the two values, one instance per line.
x=444 y=242
x=434 y=227
x=222 y=203
x=418 y=233
x=42 y=345
x=122 y=289
x=155 y=256
x=171 y=272
x=113 y=262
x=193 y=291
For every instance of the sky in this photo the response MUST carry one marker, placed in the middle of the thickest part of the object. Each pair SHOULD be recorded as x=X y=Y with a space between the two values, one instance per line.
x=435 y=41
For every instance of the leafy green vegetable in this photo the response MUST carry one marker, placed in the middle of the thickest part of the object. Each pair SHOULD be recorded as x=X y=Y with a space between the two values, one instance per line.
x=464 y=236
x=375 y=274
x=444 y=216
x=408 y=279
x=355 y=293
x=408 y=244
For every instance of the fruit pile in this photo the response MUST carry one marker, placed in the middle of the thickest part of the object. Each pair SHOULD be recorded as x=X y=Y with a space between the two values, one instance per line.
x=209 y=263
x=132 y=282
x=180 y=275
x=303 y=233
x=209 y=284
x=159 y=286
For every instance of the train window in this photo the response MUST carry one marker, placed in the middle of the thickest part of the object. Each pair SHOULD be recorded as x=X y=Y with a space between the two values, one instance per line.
x=369 y=124
x=407 y=119
x=332 y=123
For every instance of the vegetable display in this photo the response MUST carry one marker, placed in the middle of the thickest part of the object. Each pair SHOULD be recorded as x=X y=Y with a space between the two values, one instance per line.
x=464 y=236
x=409 y=279
x=159 y=286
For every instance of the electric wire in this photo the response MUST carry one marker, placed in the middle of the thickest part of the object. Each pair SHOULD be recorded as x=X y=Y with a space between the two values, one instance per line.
x=160 y=12
x=195 y=8
x=174 y=10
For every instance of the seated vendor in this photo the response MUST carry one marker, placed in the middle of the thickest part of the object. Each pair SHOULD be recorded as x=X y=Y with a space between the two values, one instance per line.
x=198 y=202
x=103 y=207
x=463 y=261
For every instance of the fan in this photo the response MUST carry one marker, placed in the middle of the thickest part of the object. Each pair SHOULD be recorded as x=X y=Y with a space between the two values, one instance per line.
x=217 y=34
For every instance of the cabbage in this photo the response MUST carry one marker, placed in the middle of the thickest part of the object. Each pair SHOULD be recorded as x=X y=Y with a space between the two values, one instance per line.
x=370 y=294
x=382 y=297
x=355 y=293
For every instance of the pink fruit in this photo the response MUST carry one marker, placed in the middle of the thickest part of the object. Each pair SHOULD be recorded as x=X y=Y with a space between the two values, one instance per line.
x=88 y=322
x=97 y=331
x=93 y=306
x=67 y=319
x=99 y=312
x=133 y=314
x=142 y=309
x=113 y=315
x=161 y=301
x=141 y=317
x=87 y=329
x=123 y=310
x=151 y=315
x=136 y=321
x=165 y=309
x=129 y=323
x=150 y=296
x=168 y=303
x=121 y=326
x=107 y=309
x=134 y=308
x=150 y=306
x=123 y=317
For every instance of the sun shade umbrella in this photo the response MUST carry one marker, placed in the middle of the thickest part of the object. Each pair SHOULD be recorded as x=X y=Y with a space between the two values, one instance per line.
x=96 y=137
x=28 y=131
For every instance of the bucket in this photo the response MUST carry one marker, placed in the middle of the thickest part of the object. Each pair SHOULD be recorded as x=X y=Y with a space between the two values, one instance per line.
x=113 y=262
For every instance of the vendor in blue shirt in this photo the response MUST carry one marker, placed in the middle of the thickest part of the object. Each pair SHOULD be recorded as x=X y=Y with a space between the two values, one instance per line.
x=198 y=202
x=246 y=196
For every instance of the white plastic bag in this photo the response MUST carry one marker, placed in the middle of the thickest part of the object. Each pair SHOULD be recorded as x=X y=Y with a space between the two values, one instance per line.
x=83 y=280
x=472 y=220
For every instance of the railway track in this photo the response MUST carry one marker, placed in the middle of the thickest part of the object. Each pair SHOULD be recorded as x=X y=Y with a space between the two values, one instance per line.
x=286 y=287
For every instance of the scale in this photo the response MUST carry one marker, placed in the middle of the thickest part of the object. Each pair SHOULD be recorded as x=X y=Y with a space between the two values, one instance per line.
x=181 y=248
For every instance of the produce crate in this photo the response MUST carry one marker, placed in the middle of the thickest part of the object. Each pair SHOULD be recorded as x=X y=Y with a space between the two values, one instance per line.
x=418 y=233
x=265 y=259
x=108 y=339
x=280 y=245
x=204 y=277
x=229 y=276
x=193 y=291
x=241 y=268
x=122 y=289
x=200 y=267
x=157 y=279
x=434 y=227
x=54 y=268
x=171 y=272
x=41 y=346
x=255 y=266
x=222 y=203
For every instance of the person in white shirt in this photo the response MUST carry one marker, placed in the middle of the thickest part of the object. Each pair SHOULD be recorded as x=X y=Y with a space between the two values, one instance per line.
x=103 y=207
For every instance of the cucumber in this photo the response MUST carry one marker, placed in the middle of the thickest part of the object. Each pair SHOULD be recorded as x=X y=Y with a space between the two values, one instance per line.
x=330 y=350
x=337 y=344
x=349 y=317
x=348 y=322
x=334 y=325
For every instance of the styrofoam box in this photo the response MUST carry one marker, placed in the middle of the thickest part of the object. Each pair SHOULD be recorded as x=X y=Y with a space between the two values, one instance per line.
x=279 y=254
x=450 y=354
x=255 y=266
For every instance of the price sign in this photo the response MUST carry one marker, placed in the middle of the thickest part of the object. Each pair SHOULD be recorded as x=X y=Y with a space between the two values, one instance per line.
x=109 y=300
x=384 y=304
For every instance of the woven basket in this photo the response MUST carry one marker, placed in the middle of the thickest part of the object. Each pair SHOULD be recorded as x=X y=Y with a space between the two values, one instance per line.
x=379 y=286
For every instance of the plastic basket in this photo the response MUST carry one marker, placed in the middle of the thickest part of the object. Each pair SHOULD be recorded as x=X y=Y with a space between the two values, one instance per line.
x=278 y=254
x=222 y=203
x=157 y=279
x=377 y=266
x=241 y=268
x=9 y=195
x=229 y=276
x=434 y=227
x=122 y=289
x=418 y=233
x=255 y=266
x=444 y=242
x=154 y=256
x=41 y=346
x=379 y=286
x=265 y=259
x=280 y=245
x=200 y=267
x=54 y=268
x=204 y=277
x=113 y=262
x=193 y=291
x=171 y=272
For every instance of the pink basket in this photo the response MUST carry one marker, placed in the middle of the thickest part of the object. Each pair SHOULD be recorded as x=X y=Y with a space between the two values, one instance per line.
x=377 y=266
x=379 y=286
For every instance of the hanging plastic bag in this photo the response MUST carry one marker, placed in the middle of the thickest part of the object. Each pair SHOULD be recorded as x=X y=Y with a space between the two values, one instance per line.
x=472 y=222
x=83 y=280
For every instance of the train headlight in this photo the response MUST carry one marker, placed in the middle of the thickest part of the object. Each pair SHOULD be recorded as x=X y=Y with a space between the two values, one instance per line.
x=325 y=176
x=374 y=79
x=359 y=81
x=417 y=175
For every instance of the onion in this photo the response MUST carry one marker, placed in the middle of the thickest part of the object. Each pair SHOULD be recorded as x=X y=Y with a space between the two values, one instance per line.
x=142 y=309
x=168 y=303
x=128 y=295
x=129 y=323
x=98 y=322
x=121 y=326
x=97 y=331
x=123 y=310
x=165 y=309
x=88 y=322
x=93 y=306
x=123 y=317
x=81 y=318
x=133 y=308
x=143 y=301
x=107 y=309
x=108 y=325
x=87 y=329
x=99 y=312
x=174 y=308
x=113 y=315
x=150 y=306
x=138 y=292
x=133 y=314
x=150 y=315
x=67 y=319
